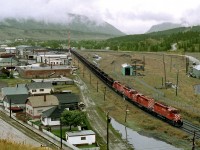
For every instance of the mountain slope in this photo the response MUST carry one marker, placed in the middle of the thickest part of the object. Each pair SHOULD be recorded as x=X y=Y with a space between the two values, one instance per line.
x=163 y=26
x=80 y=27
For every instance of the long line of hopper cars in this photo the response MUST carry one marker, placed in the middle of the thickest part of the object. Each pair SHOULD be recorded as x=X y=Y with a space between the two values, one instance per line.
x=166 y=113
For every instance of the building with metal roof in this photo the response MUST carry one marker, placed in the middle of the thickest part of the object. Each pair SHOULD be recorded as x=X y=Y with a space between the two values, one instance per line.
x=196 y=71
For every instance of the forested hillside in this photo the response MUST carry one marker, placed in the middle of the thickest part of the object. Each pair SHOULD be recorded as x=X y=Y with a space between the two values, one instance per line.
x=187 y=39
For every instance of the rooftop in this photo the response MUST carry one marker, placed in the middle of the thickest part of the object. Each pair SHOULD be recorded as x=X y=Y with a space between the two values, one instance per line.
x=39 y=85
x=19 y=89
x=42 y=101
x=80 y=133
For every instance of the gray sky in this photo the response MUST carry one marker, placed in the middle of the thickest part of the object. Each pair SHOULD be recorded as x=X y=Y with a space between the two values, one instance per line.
x=130 y=16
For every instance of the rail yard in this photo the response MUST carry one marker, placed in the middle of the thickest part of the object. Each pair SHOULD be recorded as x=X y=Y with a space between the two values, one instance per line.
x=111 y=66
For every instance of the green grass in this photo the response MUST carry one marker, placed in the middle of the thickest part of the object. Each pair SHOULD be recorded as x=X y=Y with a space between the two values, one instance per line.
x=87 y=146
x=136 y=119
x=14 y=82
x=64 y=130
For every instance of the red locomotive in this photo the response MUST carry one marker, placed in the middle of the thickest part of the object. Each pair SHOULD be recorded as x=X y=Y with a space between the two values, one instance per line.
x=167 y=113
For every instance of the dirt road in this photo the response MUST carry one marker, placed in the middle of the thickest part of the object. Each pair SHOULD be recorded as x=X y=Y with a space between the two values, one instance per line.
x=97 y=122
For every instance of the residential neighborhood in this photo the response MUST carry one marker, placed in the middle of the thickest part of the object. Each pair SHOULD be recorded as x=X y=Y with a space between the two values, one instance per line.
x=43 y=98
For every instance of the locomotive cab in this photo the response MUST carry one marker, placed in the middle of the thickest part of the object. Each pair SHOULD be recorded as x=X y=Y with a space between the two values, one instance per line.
x=175 y=117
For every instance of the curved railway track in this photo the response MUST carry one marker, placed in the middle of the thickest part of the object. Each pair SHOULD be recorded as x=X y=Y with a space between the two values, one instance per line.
x=187 y=126
x=35 y=136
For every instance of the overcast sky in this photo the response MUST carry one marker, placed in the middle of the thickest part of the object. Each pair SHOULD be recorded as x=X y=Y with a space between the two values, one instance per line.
x=129 y=16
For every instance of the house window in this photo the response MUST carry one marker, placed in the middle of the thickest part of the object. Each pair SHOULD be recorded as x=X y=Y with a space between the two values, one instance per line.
x=33 y=90
x=83 y=138
x=41 y=90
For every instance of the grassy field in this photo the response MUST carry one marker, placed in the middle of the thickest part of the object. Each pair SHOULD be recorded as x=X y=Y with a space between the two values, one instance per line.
x=185 y=101
x=8 y=145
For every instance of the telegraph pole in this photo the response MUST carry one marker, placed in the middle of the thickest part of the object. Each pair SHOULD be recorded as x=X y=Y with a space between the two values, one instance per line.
x=126 y=113
x=60 y=133
x=177 y=82
x=10 y=107
x=164 y=70
x=193 y=141
x=108 y=121
x=105 y=93
x=97 y=86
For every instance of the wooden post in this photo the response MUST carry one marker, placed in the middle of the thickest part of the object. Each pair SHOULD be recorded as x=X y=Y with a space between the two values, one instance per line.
x=10 y=108
x=60 y=134
x=97 y=86
x=164 y=69
x=177 y=82
x=105 y=93
x=126 y=112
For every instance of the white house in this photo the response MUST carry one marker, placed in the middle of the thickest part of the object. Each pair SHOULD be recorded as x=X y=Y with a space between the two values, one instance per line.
x=53 y=59
x=51 y=117
x=40 y=88
x=81 y=137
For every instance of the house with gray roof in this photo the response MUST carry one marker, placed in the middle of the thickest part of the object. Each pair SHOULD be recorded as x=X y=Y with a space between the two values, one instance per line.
x=17 y=102
x=51 y=117
x=66 y=102
x=17 y=90
x=69 y=101
x=35 y=105
x=40 y=88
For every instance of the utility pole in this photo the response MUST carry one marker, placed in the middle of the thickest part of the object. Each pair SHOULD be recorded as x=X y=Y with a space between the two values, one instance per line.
x=126 y=112
x=193 y=141
x=170 y=63
x=164 y=70
x=108 y=121
x=97 y=86
x=177 y=82
x=104 y=93
x=83 y=71
x=90 y=77
x=10 y=108
x=60 y=133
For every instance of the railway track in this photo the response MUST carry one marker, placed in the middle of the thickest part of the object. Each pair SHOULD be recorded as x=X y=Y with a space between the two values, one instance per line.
x=187 y=126
x=190 y=128
x=35 y=136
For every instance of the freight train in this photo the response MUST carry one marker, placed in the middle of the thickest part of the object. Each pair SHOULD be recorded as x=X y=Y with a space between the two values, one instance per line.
x=164 y=112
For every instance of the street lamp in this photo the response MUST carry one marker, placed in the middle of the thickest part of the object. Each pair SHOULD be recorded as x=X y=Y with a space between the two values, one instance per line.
x=126 y=112
x=108 y=121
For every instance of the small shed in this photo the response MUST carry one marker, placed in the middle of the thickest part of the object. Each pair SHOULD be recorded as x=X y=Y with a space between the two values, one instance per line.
x=196 y=71
x=81 y=137
x=127 y=70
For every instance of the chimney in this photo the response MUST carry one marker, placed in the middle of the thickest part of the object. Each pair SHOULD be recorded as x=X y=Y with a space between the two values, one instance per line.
x=45 y=99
